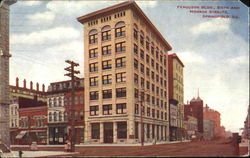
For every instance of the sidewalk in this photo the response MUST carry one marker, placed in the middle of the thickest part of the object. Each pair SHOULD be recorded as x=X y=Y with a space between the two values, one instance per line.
x=37 y=154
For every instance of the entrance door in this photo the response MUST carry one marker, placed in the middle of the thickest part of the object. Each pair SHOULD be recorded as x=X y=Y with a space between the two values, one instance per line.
x=108 y=132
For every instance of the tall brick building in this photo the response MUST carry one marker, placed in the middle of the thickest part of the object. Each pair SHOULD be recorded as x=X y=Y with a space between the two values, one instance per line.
x=125 y=71
x=4 y=73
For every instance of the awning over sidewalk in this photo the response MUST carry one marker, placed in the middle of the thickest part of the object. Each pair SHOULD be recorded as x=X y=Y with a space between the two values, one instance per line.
x=21 y=134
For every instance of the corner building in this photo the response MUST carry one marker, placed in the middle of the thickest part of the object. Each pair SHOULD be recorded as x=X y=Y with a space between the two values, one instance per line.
x=125 y=72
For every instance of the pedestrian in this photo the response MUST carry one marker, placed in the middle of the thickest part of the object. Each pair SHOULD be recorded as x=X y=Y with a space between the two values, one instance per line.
x=66 y=145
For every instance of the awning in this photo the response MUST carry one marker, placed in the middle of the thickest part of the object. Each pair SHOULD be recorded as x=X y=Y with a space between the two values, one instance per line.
x=21 y=134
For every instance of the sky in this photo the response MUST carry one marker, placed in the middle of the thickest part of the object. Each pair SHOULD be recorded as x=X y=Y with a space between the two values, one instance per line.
x=43 y=34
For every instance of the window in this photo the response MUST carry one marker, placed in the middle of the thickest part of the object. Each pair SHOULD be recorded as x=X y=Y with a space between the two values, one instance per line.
x=120 y=92
x=107 y=79
x=142 y=82
x=153 y=100
x=136 y=93
x=148 y=98
x=136 y=109
x=153 y=131
x=119 y=47
x=153 y=87
x=93 y=53
x=121 y=108
x=136 y=64
x=50 y=116
x=60 y=116
x=152 y=50
x=152 y=75
x=120 y=62
x=153 y=113
x=94 y=110
x=121 y=130
x=157 y=54
x=148 y=111
x=162 y=115
x=95 y=131
x=121 y=77
x=148 y=85
x=142 y=68
x=135 y=34
x=148 y=131
x=157 y=66
x=93 y=67
x=158 y=114
x=142 y=40
x=106 y=65
x=93 y=36
x=147 y=71
x=107 y=94
x=147 y=45
x=106 y=33
x=106 y=50
x=147 y=58
x=152 y=63
x=81 y=115
x=142 y=54
x=120 y=29
x=136 y=79
x=55 y=116
x=135 y=49
x=93 y=81
x=94 y=95
x=107 y=109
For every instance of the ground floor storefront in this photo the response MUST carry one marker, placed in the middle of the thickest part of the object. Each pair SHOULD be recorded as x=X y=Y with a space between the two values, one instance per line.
x=125 y=131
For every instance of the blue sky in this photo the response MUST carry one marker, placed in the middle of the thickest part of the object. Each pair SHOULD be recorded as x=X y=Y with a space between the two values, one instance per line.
x=214 y=50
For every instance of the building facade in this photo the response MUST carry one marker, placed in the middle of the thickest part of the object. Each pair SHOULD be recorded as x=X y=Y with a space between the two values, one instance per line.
x=195 y=109
x=60 y=111
x=208 y=129
x=176 y=89
x=17 y=92
x=191 y=126
x=213 y=115
x=173 y=125
x=126 y=91
x=32 y=122
x=4 y=74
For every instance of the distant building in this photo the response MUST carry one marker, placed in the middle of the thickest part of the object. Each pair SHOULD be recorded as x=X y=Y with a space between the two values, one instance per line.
x=176 y=89
x=60 y=113
x=213 y=115
x=208 y=129
x=17 y=95
x=246 y=129
x=191 y=126
x=195 y=109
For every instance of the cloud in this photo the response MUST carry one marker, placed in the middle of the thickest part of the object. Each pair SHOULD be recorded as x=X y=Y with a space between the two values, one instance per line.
x=191 y=57
x=239 y=60
x=215 y=25
x=46 y=36
x=42 y=17
x=29 y=3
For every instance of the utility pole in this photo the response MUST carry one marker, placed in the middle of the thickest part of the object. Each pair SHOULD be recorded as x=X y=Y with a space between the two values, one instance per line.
x=71 y=73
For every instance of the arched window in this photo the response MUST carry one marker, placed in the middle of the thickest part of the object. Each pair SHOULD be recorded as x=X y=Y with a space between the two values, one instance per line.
x=65 y=116
x=60 y=116
x=106 y=33
x=93 y=36
x=50 y=102
x=120 y=29
x=50 y=116
x=55 y=116
x=55 y=102
x=59 y=101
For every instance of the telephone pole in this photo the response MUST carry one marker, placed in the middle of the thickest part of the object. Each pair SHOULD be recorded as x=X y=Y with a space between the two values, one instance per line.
x=71 y=73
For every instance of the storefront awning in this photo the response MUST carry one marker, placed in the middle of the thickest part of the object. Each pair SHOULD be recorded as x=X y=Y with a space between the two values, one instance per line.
x=21 y=134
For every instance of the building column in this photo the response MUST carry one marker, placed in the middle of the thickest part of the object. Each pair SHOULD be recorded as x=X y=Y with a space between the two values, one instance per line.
x=131 y=131
x=115 y=132
x=101 y=132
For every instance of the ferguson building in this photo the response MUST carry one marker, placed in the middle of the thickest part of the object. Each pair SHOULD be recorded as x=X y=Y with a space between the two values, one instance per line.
x=125 y=76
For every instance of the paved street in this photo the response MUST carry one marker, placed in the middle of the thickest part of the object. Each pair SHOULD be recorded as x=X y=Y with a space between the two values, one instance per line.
x=202 y=148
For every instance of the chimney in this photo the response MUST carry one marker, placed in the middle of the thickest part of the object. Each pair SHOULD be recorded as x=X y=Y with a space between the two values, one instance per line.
x=43 y=87
x=31 y=85
x=37 y=86
x=17 y=82
x=24 y=83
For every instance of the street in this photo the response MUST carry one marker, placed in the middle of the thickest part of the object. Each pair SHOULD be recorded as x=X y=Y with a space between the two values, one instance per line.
x=201 y=148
